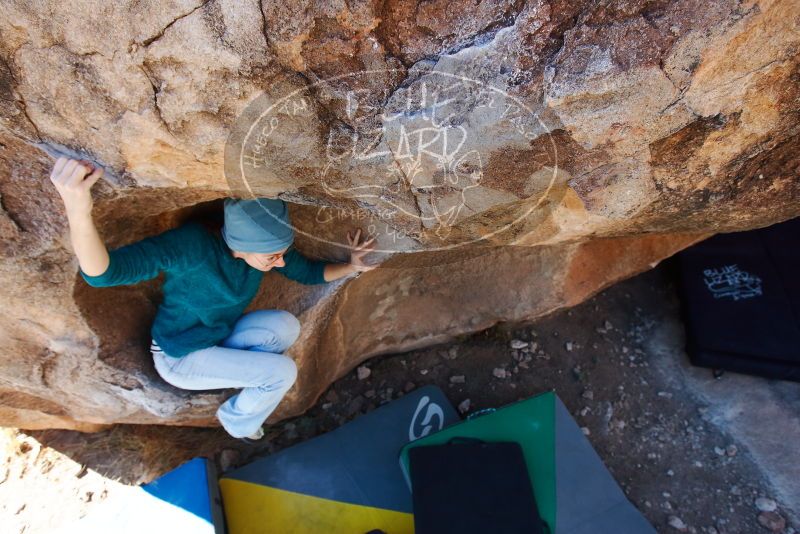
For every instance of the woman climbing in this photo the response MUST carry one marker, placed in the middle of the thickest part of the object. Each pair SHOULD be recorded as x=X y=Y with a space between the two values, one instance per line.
x=201 y=339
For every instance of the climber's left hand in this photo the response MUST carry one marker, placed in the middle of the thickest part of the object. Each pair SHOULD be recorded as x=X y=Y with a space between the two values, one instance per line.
x=359 y=250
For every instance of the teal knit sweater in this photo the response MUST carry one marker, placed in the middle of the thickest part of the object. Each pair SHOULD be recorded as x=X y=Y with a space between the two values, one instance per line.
x=205 y=288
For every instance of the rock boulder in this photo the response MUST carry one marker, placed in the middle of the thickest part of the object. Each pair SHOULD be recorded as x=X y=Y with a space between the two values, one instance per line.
x=511 y=157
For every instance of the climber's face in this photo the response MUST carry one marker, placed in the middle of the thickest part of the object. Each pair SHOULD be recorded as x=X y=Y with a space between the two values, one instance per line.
x=261 y=261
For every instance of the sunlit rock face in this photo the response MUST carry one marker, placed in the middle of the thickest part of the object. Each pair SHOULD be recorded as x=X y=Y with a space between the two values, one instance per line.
x=510 y=158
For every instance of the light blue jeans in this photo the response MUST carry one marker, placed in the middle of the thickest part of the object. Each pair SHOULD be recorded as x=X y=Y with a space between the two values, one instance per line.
x=249 y=358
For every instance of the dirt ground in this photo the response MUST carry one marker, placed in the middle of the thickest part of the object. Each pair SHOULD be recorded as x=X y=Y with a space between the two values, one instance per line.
x=693 y=453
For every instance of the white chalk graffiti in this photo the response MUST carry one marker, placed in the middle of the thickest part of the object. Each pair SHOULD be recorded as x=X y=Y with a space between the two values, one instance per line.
x=410 y=160
x=731 y=282
x=428 y=156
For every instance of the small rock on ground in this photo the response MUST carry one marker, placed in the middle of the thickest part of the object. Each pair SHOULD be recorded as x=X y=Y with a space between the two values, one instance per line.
x=766 y=505
x=772 y=521
x=229 y=458
x=363 y=372
x=677 y=523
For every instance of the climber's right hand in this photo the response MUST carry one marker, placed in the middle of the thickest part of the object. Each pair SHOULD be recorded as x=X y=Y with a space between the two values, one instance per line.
x=73 y=180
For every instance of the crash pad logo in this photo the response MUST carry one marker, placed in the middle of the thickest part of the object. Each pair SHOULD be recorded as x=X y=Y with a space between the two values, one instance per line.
x=428 y=418
x=405 y=156
x=731 y=282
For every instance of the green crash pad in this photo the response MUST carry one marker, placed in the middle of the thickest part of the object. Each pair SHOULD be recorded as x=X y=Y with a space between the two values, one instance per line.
x=574 y=491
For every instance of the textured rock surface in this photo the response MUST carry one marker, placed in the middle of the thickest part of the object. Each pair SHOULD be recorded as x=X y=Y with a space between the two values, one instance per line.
x=589 y=140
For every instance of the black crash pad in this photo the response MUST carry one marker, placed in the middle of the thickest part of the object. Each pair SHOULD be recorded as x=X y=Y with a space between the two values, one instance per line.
x=740 y=298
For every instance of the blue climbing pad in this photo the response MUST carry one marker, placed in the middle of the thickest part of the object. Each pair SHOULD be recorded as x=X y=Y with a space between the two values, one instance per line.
x=347 y=480
x=185 y=499
x=191 y=487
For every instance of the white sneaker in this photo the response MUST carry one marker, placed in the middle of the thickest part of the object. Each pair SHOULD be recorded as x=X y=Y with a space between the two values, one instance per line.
x=257 y=435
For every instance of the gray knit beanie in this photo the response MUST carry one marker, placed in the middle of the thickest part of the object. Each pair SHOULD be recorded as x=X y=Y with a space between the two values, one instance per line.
x=257 y=225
